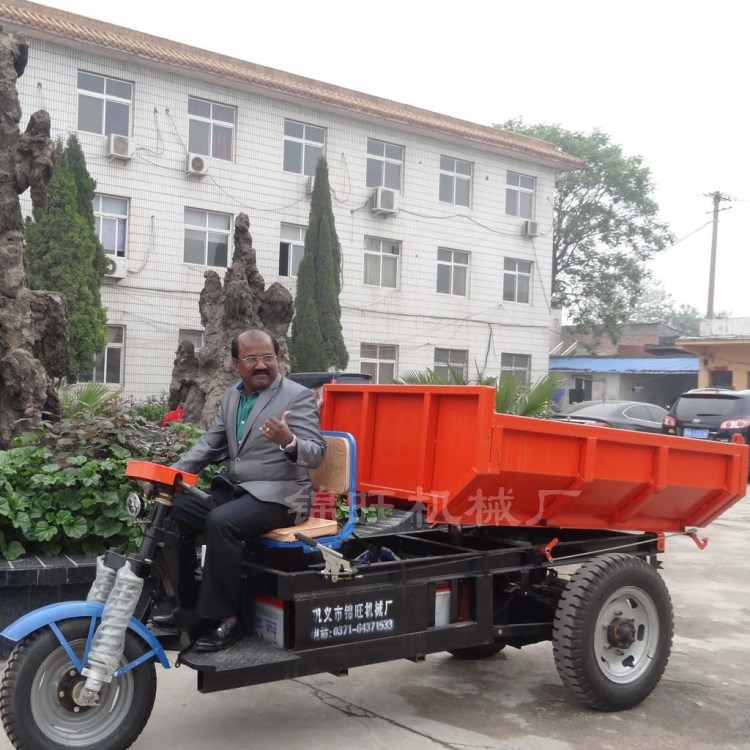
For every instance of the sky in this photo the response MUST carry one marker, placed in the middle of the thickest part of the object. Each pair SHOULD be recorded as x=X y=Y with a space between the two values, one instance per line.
x=667 y=80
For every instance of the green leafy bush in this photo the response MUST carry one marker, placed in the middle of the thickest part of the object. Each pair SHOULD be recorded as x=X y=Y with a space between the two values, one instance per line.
x=63 y=488
x=153 y=408
x=364 y=513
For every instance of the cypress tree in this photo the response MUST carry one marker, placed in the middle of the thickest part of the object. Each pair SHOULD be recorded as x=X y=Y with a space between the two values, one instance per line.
x=318 y=310
x=307 y=349
x=327 y=296
x=65 y=255
x=321 y=206
x=85 y=189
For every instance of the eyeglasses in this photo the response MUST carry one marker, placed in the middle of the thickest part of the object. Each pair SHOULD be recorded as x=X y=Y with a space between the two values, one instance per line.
x=251 y=361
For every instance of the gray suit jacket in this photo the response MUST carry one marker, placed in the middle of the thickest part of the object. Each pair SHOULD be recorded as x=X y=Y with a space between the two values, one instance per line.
x=256 y=463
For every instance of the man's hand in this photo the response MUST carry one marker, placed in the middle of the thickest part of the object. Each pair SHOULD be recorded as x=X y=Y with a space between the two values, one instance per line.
x=277 y=430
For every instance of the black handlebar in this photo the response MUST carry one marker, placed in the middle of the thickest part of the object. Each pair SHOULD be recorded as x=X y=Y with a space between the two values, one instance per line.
x=194 y=491
x=306 y=539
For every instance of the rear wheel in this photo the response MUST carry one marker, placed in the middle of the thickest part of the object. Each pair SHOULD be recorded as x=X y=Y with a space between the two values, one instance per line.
x=613 y=632
x=37 y=696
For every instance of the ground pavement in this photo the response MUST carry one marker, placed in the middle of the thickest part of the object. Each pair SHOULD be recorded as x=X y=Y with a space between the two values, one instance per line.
x=514 y=701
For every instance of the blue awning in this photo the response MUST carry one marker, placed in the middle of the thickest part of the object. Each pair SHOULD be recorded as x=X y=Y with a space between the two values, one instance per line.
x=659 y=365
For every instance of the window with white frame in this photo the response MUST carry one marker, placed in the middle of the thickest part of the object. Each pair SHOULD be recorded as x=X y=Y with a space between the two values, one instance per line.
x=206 y=237
x=380 y=361
x=455 y=181
x=194 y=336
x=452 y=272
x=103 y=104
x=211 y=128
x=452 y=361
x=516 y=280
x=291 y=249
x=111 y=223
x=381 y=261
x=516 y=366
x=303 y=146
x=384 y=164
x=108 y=364
x=519 y=195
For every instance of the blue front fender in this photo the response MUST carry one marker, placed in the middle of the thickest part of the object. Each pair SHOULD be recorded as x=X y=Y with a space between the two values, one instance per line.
x=52 y=613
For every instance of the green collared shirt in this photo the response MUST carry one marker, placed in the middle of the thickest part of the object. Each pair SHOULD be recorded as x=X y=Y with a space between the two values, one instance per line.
x=243 y=411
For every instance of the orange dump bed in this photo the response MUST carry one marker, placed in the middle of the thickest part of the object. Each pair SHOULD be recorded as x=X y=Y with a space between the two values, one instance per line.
x=444 y=446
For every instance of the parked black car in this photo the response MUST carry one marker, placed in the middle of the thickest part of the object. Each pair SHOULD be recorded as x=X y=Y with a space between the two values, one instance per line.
x=624 y=415
x=316 y=379
x=710 y=414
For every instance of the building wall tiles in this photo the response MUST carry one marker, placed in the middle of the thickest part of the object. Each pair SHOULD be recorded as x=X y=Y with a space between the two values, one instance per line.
x=159 y=295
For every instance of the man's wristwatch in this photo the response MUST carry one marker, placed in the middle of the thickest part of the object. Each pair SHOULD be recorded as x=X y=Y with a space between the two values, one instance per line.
x=289 y=448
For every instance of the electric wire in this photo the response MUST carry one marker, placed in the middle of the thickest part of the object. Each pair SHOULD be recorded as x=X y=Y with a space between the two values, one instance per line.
x=689 y=234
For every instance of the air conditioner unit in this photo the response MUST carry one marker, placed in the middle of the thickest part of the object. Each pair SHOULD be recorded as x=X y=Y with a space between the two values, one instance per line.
x=384 y=201
x=310 y=185
x=530 y=229
x=120 y=147
x=117 y=268
x=196 y=164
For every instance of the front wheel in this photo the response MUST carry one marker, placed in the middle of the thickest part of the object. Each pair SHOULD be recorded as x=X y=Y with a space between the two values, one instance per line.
x=37 y=696
x=613 y=632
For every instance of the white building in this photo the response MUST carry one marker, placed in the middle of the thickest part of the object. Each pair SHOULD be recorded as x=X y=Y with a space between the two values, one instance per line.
x=449 y=262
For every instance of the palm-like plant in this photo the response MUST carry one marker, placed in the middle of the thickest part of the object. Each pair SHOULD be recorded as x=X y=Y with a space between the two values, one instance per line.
x=511 y=395
x=430 y=377
x=88 y=398
x=514 y=397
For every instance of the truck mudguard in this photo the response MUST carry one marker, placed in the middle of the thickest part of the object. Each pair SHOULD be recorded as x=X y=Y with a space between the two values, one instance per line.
x=52 y=613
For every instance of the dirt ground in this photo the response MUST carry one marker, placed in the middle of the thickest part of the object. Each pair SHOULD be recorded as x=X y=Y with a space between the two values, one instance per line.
x=512 y=701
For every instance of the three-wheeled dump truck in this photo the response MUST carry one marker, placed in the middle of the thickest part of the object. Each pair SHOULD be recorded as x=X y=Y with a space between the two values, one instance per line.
x=488 y=514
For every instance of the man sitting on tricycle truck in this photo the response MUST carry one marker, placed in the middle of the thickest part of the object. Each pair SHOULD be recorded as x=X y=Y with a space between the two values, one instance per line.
x=268 y=427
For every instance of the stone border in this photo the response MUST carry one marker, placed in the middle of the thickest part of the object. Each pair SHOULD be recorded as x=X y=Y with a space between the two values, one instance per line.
x=32 y=582
x=47 y=571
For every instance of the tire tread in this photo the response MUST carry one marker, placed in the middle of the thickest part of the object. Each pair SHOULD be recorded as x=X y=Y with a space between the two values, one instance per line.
x=10 y=676
x=12 y=673
x=569 y=622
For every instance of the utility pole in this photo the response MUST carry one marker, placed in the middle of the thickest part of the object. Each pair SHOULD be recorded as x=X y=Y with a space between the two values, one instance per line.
x=717 y=198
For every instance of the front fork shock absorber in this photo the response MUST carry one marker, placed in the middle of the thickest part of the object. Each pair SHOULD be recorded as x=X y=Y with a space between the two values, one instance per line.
x=120 y=594
x=105 y=581
x=109 y=640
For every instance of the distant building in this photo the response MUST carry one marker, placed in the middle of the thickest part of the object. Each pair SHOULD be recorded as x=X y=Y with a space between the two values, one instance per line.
x=644 y=365
x=446 y=226
x=635 y=338
x=723 y=351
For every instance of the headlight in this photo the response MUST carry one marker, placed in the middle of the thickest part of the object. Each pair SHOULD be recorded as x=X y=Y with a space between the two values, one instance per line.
x=134 y=505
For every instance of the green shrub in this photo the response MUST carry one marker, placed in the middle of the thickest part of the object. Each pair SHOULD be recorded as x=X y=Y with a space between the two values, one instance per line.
x=364 y=513
x=153 y=408
x=63 y=488
x=49 y=506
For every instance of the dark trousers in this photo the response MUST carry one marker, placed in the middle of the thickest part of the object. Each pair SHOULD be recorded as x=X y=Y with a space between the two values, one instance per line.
x=233 y=517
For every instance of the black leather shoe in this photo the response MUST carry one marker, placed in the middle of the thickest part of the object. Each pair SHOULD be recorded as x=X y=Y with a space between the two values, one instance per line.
x=167 y=620
x=218 y=637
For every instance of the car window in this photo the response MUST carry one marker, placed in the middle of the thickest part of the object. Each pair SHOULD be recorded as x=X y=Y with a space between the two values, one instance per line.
x=573 y=408
x=657 y=413
x=638 y=412
x=689 y=407
x=595 y=408
x=353 y=377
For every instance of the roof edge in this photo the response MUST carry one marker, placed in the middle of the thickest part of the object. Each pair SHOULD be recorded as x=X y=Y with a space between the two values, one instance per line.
x=65 y=25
